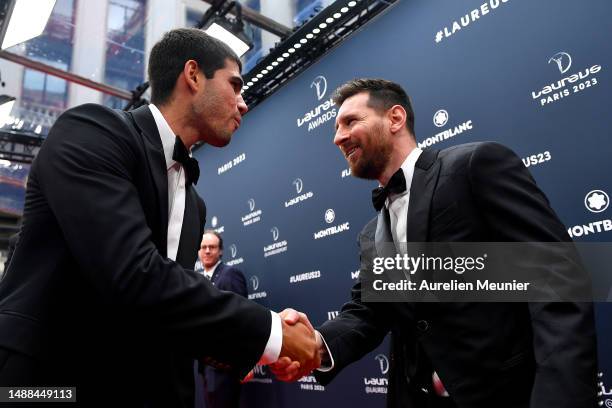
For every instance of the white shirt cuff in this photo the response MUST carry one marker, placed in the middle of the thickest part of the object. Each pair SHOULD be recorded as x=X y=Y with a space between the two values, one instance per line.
x=275 y=341
x=325 y=365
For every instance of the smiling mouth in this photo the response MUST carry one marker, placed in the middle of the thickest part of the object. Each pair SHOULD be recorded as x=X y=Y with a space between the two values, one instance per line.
x=350 y=152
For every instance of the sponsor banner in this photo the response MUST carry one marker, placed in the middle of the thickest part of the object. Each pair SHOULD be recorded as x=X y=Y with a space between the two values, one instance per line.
x=254 y=281
x=440 y=120
x=470 y=18
x=330 y=216
x=321 y=113
x=253 y=216
x=231 y=164
x=378 y=384
x=569 y=84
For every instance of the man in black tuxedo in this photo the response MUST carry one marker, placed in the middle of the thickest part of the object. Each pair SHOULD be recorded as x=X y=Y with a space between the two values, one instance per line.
x=100 y=292
x=221 y=387
x=465 y=355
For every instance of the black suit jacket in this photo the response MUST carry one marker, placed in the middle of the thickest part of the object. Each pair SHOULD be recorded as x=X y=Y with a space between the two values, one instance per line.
x=90 y=295
x=513 y=355
x=222 y=387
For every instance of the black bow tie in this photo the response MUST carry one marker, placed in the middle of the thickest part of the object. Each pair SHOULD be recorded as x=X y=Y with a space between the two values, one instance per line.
x=396 y=185
x=181 y=155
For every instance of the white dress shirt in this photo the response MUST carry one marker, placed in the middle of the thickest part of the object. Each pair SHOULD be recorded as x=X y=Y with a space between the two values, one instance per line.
x=176 y=211
x=397 y=204
x=210 y=272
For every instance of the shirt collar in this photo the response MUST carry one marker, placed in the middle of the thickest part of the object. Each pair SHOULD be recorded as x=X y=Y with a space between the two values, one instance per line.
x=212 y=270
x=168 y=138
x=408 y=169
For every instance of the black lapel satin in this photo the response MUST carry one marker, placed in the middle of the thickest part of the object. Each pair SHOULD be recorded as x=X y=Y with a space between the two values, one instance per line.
x=190 y=231
x=143 y=118
x=424 y=181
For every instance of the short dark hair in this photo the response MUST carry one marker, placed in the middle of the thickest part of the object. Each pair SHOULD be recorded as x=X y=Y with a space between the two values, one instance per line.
x=383 y=95
x=216 y=234
x=169 y=55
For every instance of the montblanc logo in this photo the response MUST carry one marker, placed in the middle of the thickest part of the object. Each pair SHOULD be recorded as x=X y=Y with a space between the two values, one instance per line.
x=214 y=223
x=274 y=232
x=253 y=216
x=299 y=186
x=322 y=112
x=596 y=201
x=567 y=85
x=329 y=216
x=563 y=60
x=233 y=252
x=320 y=85
x=255 y=285
x=440 y=119
x=277 y=246
x=383 y=361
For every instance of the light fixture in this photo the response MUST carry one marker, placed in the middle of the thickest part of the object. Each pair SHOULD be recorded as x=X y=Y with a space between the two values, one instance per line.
x=23 y=20
x=229 y=31
x=6 y=106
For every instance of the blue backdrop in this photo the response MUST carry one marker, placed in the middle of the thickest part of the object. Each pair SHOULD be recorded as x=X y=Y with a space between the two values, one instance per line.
x=534 y=76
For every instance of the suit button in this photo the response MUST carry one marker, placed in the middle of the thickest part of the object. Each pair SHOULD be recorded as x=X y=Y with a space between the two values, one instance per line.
x=422 y=325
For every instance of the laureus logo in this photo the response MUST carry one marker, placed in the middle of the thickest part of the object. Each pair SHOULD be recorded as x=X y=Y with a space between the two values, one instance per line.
x=251 y=204
x=233 y=250
x=299 y=185
x=563 y=61
x=320 y=85
x=383 y=361
x=274 y=232
x=254 y=282
x=214 y=221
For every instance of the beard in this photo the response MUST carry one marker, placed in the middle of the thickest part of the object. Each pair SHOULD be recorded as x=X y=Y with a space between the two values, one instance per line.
x=374 y=156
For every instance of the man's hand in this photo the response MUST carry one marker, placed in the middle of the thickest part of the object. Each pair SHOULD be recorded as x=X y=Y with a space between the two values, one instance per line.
x=289 y=368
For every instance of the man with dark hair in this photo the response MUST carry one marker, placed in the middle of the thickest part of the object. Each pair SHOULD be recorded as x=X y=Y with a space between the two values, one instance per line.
x=221 y=387
x=100 y=292
x=462 y=355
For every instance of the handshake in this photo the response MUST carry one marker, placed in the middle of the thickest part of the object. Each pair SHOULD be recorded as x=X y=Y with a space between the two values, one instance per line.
x=302 y=348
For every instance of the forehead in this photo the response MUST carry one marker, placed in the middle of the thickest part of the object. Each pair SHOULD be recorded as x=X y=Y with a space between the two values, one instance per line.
x=210 y=239
x=356 y=104
x=229 y=69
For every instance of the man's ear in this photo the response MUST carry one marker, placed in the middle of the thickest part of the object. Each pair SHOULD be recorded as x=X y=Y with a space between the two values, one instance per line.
x=191 y=72
x=397 y=116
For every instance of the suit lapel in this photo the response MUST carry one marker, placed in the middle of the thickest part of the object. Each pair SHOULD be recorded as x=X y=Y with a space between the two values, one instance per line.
x=426 y=171
x=143 y=119
x=217 y=272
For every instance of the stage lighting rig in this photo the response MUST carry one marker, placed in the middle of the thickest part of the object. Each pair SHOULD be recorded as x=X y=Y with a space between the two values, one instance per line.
x=307 y=44
x=22 y=20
